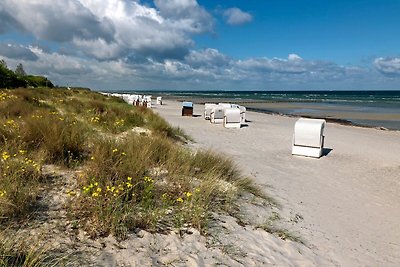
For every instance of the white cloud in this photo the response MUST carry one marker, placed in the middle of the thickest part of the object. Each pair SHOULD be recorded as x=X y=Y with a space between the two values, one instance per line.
x=388 y=66
x=58 y=20
x=200 y=69
x=17 y=51
x=235 y=16
x=111 y=29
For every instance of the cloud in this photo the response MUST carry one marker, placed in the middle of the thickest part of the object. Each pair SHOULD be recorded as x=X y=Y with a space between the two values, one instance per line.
x=388 y=66
x=210 y=58
x=111 y=29
x=187 y=13
x=59 y=21
x=17 y=52
x=235 y=16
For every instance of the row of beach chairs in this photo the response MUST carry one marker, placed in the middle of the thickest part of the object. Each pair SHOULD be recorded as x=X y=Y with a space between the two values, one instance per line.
x=136 y=100
x=230 y=115
x=308 y=137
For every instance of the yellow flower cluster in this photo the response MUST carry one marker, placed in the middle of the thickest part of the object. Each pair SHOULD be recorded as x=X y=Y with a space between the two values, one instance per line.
x=95 y=119
x=34 y=164
x=36 y=116
x=5 y=155
x=3 y=193
x=3 y=96
x=94 y=190
x=11 y=123
x=148 y=179
x=119 y=122
x=187 y=196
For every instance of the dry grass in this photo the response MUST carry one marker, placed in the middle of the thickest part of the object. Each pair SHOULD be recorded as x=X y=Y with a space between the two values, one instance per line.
x=21 y=252
x=148 y=182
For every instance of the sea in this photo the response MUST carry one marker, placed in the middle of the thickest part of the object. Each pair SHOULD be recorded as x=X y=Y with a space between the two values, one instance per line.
x=380 y=109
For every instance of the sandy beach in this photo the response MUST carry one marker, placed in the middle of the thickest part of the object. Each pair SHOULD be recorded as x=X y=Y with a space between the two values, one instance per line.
x=345 y=205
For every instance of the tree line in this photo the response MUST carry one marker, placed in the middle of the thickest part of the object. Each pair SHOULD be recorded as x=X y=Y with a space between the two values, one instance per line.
x=19 y=78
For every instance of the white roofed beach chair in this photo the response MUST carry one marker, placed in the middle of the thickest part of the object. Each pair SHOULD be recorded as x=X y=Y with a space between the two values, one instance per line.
x=308 y=138
x=232 y=118
x=207 y=110
x=217 y=114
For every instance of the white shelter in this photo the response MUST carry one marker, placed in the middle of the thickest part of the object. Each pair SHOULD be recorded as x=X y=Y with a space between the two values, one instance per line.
x=217 y=114
x=207 y=110
x=308 y=138
x=232 y=118
x=242 y=112
x=159 y=100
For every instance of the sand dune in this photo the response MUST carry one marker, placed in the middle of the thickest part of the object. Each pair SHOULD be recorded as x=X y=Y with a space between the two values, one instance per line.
x=345 y=205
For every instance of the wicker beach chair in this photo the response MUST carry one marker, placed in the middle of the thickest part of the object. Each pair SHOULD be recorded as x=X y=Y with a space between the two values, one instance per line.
x=308 y=138
x=207 y=110
x=217 y=114
x=187 y=109
x=232 y=118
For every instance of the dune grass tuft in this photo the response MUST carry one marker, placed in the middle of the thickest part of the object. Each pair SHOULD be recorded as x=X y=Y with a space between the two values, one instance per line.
x=126 y=181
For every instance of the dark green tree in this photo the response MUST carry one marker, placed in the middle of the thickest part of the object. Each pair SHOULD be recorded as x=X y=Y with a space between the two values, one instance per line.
x=20 y=70
x=3 y=63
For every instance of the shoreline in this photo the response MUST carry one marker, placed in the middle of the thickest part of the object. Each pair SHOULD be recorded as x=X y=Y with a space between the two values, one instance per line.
x=341 y=121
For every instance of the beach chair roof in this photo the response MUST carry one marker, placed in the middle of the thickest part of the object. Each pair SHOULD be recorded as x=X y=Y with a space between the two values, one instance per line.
x=187 y=104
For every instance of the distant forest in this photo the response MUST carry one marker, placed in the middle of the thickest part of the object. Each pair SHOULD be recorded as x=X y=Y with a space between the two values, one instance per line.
x=19 y=78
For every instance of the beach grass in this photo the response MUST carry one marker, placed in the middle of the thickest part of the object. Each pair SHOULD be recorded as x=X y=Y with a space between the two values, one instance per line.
x=126 y=179
x=16 y=251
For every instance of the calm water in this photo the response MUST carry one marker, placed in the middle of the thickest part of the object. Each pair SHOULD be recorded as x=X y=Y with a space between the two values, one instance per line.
x=368 y=108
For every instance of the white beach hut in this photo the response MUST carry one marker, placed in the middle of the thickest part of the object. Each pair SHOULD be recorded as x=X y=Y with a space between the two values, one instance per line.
x=217 y=114
x=207 y=110
x=308 y=138
x=159 y=100
x=232 y=118
x=147 y=100
x=242 y=112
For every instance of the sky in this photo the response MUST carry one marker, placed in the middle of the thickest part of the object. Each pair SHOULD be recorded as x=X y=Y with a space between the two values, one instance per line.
x=205 y=44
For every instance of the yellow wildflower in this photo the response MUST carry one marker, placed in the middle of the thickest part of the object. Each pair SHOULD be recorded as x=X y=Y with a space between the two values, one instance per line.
x=115 y=150
x=188 y=194
x=2 y=193
x=5 y=155
x=148 y=179
x=179 y=199
x=129 y=178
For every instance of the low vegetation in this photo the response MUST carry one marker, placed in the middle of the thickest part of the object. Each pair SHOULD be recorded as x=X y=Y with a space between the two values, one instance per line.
x=131 y=169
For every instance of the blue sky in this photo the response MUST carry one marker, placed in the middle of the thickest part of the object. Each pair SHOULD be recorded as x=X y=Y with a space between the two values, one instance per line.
x=210 y=45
